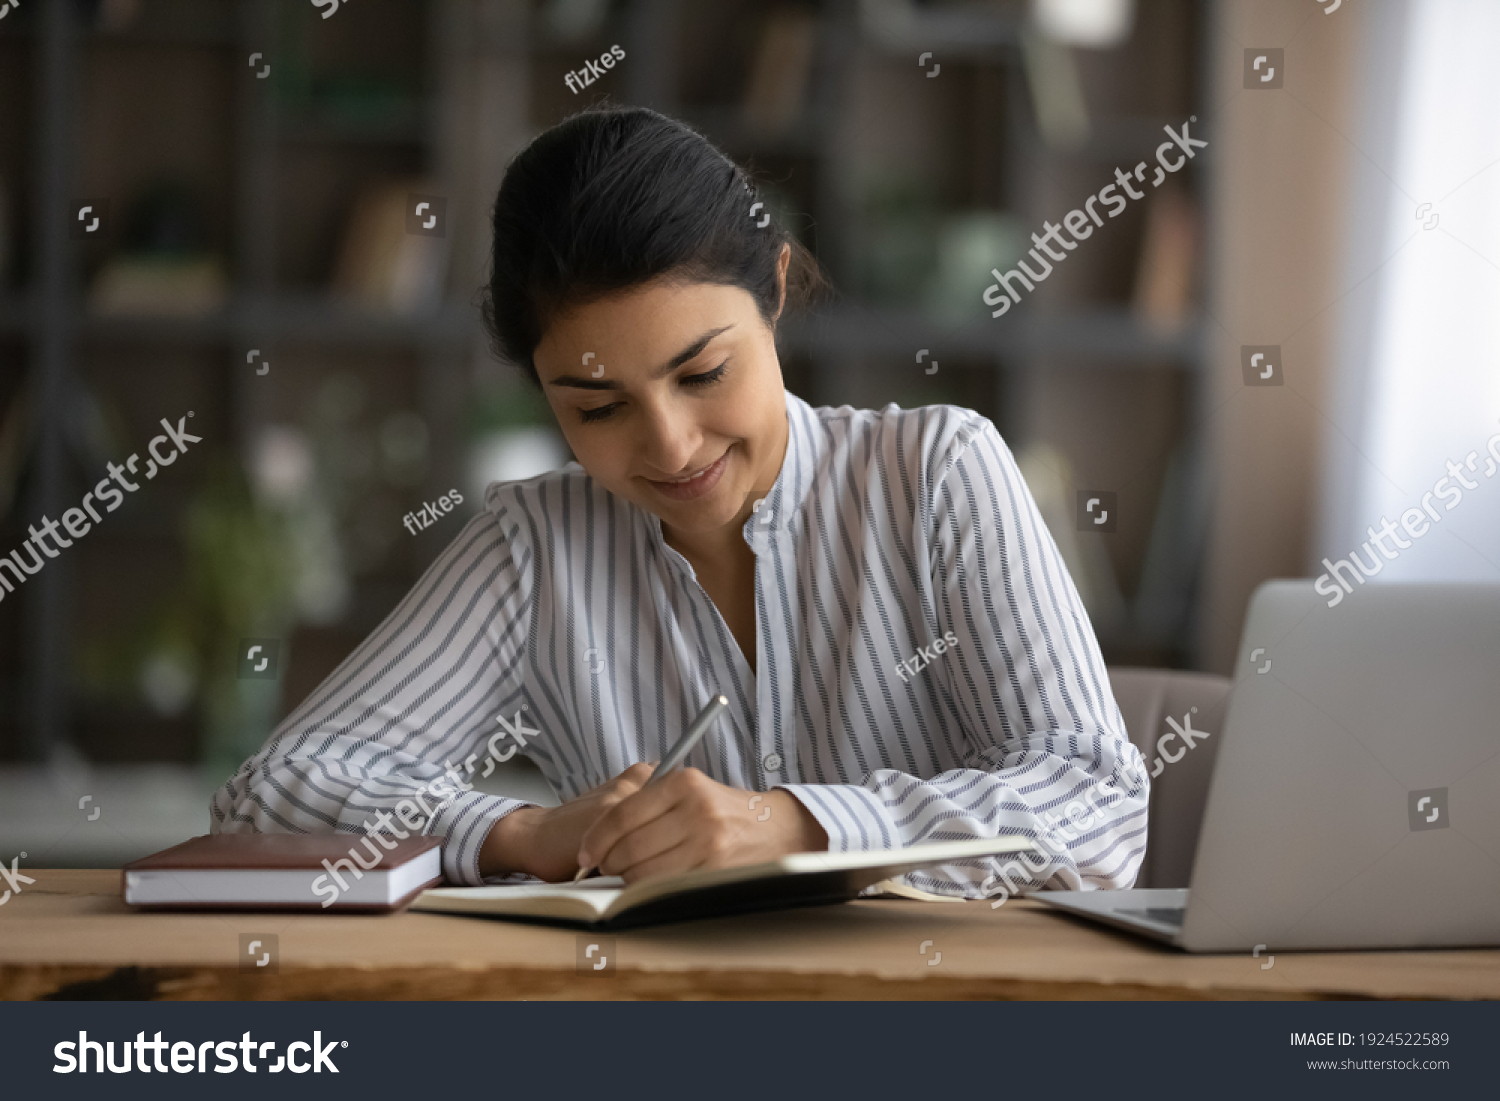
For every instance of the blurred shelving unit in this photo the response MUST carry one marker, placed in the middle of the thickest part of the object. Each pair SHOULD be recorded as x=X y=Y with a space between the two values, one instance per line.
x=867 y=158
x=278 y=179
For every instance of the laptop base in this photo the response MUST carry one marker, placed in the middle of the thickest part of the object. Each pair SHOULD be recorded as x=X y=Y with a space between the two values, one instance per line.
x=1146 y=911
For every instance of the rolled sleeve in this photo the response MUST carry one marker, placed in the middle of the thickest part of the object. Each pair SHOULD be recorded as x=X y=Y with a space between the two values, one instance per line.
x=854 y=817
x=463 y=825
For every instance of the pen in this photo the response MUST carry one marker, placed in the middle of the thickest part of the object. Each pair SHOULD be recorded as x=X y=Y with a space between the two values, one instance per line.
x=678 y=753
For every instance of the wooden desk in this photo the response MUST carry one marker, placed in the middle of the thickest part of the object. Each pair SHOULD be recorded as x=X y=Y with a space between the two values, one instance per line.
x=69 y=935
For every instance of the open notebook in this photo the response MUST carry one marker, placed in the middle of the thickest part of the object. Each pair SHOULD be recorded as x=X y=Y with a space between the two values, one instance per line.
x=800 y=879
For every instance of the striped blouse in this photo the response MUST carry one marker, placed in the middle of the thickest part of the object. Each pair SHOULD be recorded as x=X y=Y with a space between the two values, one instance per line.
x=925 y=669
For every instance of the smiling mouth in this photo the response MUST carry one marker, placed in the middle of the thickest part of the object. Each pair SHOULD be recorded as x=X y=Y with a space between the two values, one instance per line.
x=688 y=478
x=693 y=486
x=677 y=482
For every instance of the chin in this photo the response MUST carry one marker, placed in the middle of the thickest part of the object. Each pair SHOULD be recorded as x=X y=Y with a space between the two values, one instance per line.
x=705 y=515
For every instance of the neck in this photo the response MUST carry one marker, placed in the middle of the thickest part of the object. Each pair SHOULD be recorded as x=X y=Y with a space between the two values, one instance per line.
x=719 y=545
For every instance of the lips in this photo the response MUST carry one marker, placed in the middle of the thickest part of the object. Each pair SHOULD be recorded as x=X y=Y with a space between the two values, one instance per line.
x=694 y=485
x=688 y=477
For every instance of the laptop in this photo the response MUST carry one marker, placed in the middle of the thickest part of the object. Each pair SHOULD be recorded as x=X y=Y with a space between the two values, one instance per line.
x=1355 y=797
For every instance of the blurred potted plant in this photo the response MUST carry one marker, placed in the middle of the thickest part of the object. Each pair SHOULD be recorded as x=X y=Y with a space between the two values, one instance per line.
x=262 y=555
x=240 y=583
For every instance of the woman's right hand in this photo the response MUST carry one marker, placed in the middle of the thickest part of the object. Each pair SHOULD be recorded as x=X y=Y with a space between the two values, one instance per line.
x=543 y=841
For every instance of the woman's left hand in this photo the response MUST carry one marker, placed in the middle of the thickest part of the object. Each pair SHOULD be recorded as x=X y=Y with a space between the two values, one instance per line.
x=688 y=821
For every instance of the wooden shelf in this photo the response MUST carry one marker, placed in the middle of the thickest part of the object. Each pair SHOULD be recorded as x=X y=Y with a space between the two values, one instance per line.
x=1111 y=336
x=1108 y=336
x=174 y=23
x=959 y=32
x=310 y=318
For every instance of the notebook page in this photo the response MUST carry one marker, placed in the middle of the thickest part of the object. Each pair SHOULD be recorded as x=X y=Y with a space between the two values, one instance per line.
x=599 y=893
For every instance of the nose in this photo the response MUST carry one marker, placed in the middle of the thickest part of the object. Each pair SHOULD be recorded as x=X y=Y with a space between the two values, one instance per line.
x=671 y=440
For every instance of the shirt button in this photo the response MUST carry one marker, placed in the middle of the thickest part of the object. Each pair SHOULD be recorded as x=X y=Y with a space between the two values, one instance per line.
x=772 y=762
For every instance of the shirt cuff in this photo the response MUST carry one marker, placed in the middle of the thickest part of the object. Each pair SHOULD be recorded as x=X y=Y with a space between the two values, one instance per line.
x=855 y=818
x=463 y=825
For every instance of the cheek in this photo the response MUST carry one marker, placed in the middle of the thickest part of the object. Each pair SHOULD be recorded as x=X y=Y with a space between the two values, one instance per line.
x=606 y=459
x=584 y=450
x=577 y=436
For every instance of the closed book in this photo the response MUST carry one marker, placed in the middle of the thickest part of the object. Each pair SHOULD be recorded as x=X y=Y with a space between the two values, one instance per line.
x=799 y=879
x=284 y=871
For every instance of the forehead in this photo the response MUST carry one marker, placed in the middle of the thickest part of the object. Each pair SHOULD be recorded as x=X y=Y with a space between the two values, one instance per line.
x=640 y=328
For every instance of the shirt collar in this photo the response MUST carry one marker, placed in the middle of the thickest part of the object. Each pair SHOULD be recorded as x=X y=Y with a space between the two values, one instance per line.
x=783 y=504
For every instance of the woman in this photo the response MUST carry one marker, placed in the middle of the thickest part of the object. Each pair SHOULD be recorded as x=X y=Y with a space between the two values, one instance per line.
x=904 y=654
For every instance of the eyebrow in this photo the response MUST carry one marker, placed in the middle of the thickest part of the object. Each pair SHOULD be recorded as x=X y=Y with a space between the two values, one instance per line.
x=587 y=383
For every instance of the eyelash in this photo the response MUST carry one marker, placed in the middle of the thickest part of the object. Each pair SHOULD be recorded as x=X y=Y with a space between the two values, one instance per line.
x=707 y=378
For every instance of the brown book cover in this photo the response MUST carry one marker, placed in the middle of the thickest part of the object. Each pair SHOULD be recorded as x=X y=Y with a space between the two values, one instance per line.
x=276 y=871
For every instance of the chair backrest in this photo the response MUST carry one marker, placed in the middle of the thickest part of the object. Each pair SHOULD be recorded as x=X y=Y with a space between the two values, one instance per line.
x=1195 y=703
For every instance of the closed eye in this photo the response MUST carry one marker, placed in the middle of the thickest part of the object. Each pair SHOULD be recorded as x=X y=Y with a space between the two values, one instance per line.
x=588 y=416
x=706 y=378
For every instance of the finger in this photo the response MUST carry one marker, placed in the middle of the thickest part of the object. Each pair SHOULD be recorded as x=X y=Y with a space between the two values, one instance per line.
x=695 y=852
x=630 y=813
x=697 y=822
x=655 y=837
x=632 y=778
x=637 y=774
x=681 y=858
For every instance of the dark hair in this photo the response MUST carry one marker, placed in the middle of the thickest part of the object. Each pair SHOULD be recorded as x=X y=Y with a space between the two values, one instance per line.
x=613 y=197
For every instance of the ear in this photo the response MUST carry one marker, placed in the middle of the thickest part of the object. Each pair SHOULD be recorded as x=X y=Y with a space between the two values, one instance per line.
x=782 y=263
